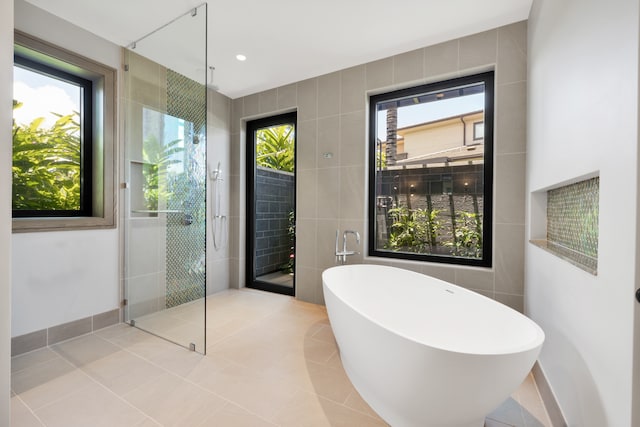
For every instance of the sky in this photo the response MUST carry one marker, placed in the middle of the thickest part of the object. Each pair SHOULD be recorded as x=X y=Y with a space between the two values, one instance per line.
x=42 y=95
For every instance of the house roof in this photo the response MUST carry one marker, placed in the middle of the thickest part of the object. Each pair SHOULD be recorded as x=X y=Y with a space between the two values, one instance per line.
x=464 y=153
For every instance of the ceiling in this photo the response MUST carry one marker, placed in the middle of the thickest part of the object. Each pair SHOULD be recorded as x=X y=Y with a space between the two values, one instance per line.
x=286 y=41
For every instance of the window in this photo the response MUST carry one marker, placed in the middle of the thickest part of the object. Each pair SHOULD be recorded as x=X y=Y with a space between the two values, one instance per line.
x=63 y=139
x=430 y=193
x=478 y=131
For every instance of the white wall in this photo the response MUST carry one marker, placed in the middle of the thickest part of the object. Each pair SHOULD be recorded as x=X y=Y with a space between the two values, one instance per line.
x=6 y=94
x=583 y=118
x=62 y=276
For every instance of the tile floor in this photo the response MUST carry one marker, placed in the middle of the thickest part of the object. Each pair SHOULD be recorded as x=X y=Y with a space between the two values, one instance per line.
x=271 y=361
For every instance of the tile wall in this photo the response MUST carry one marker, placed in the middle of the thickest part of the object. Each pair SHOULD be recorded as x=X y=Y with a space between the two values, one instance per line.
x=572 y=222
x=332 y=118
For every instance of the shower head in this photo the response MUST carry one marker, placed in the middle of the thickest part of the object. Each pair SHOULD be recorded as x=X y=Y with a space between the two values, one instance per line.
x=210 y=83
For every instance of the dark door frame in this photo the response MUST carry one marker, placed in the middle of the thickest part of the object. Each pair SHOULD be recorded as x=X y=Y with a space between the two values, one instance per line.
x=252 y=127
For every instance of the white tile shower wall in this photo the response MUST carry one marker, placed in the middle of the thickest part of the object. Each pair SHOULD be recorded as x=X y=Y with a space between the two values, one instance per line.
x=332 y=118
x=218 y=191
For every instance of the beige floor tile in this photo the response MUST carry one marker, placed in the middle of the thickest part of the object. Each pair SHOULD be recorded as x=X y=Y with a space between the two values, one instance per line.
x=172 y=401
x=357 y=403
x=256 y=347
x=319 y=351
x=48 y=382
x=207 y=366
x=176 y=359
x=291 y=372
x=249 y=389
x=92 y=406
x=221 y=330
x=21 y=416
x=192 y=311
x=187 y=333
x=86 y=349
x=128 y=336
x=114 y=331
x=272 y=361
x=330 y=383
x=31 y=359
x=286 y=323
x=325 y=333
x=175 y=329
x=156 y=322
x=309 y=410
x=335 y=361
x=234 y=416
x=148 y=422
x=121 y=372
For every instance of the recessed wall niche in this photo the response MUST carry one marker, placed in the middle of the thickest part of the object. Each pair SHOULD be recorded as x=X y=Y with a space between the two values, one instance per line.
x=565 y=222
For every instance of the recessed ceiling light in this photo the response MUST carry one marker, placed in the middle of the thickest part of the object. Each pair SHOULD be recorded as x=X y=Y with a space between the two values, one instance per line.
x=241 y=57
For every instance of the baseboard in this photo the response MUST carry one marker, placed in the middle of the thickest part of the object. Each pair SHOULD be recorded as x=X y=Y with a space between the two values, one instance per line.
x=34 y=340
x=548 y=398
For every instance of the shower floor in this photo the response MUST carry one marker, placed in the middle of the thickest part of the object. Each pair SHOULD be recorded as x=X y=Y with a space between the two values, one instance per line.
x=277 y=278
x=271 y=361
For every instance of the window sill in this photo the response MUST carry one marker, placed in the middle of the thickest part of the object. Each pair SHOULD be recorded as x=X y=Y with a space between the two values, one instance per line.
x=580 y=260
x=35 y=225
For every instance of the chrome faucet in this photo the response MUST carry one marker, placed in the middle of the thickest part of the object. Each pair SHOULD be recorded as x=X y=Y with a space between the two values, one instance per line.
x=341 y=256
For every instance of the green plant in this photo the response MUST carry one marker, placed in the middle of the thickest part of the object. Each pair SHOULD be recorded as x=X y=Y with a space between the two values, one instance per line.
x=46 y=164
x=291 y=233
x=468 y=235
x=413 y=229
x=157 y=157
x=275 y=148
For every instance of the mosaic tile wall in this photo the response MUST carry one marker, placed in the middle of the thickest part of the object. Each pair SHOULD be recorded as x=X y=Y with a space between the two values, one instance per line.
x=186 y=232
x=572 y=221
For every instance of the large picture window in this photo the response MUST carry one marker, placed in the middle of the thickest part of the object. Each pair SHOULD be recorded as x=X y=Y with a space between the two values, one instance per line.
x=63 y=139
x=431 y=174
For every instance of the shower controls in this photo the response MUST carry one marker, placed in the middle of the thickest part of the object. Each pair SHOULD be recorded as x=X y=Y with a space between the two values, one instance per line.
x=188 y=219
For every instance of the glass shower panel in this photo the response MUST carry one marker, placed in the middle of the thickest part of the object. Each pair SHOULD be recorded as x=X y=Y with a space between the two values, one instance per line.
x=165 y=174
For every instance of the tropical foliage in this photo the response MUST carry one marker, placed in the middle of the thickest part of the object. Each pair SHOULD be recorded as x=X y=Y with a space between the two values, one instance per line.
x=468 y=235
x=275 y=148
x=46 y=164
x=413 y=228
x=157 y=158
x=422 y=231
x=291 y=234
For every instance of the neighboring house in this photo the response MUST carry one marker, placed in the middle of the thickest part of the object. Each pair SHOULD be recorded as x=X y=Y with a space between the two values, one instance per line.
x=439 y=167
x=447 y=141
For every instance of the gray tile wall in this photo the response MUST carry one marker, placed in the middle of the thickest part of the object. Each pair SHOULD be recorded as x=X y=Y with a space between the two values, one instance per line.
x=55 y=334
x=332 y=117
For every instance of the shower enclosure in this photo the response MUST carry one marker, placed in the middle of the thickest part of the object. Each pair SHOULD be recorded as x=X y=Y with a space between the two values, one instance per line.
x=164 y=213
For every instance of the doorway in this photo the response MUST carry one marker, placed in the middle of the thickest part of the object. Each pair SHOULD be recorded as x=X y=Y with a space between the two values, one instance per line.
x=271 y=201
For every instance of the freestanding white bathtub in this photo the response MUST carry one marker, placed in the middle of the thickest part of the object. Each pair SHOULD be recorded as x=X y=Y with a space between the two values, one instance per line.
x=423 y=352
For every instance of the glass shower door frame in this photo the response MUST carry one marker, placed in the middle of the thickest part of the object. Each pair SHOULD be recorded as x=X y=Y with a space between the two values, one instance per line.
x=164 y=215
